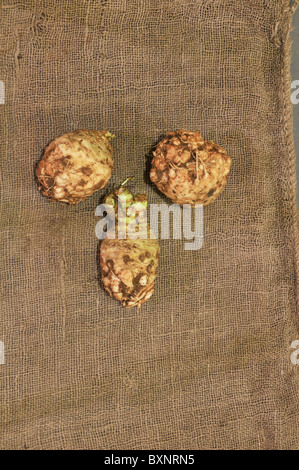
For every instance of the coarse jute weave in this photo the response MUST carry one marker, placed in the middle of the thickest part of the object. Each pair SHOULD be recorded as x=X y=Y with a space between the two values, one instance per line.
x=205 y=364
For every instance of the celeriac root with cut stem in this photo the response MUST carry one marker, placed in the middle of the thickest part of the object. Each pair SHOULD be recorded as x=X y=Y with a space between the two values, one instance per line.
x=129 y=266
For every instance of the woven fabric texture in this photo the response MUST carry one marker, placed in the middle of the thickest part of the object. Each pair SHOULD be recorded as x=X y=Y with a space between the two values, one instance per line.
x=205 y=364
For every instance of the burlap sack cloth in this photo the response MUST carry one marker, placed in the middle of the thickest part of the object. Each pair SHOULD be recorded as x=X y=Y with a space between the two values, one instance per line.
x=206 y=362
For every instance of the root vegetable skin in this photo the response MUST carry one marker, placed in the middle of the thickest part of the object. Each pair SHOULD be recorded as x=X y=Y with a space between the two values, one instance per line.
x=75 y=165
x=189 y=169
x=129 y=269
x=129 y=266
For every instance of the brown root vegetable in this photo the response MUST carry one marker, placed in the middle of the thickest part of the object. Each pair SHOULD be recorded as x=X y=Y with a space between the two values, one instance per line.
x=75 y=165
x=189 y=169
x=129 y=266
x=129 y=269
